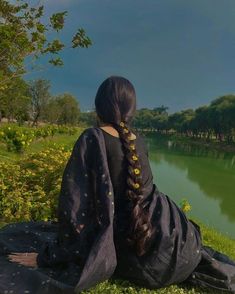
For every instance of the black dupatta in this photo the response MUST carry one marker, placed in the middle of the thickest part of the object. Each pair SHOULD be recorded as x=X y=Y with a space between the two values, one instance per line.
x=85 y=213
x=78 y=251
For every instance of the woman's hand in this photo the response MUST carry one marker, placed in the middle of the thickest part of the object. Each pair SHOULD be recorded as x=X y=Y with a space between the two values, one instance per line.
x=27 y=258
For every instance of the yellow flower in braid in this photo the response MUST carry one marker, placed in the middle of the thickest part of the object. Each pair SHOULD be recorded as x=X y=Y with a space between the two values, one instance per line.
x=126 y=130
x=136 y=171
x=134 y=157
x=136 y=185
x=132 y=146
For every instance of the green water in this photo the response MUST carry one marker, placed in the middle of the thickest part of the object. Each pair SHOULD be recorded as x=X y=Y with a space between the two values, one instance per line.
x=206 y=178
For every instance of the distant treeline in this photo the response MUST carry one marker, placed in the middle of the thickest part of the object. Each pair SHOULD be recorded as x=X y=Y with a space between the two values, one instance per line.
x=215 y=120
x=32 y=102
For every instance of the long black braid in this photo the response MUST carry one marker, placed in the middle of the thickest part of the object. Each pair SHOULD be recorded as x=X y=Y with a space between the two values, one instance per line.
x=140 y=227
x=115 y=104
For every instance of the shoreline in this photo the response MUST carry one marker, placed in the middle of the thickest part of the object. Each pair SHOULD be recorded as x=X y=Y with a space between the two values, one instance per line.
x=212 y=145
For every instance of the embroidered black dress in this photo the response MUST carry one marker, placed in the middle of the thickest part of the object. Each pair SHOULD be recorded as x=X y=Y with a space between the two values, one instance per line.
x=87 y=245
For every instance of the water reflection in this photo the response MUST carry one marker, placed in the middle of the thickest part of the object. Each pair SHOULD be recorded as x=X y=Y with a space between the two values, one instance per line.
x=212 y=171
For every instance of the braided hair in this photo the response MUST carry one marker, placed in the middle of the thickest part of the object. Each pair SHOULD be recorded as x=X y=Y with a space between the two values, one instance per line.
x=115 y=104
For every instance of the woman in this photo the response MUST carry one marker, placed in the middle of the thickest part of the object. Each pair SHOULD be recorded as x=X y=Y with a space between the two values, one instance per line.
x=112 y=219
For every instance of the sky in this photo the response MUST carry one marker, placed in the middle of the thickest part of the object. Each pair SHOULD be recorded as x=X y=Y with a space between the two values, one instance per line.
x=177 y=53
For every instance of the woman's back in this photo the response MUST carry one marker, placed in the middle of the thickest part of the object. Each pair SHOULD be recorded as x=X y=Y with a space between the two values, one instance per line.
x=119 y=173
x=170 y=231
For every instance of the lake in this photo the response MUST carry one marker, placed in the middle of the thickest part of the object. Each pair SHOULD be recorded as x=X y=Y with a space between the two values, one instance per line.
x=206 y=178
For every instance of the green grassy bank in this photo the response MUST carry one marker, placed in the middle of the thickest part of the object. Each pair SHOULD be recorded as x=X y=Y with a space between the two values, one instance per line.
x=67 y=141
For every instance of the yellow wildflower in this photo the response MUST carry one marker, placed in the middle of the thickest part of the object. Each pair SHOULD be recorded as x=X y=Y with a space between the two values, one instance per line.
x=186 y=207
x=122 y=124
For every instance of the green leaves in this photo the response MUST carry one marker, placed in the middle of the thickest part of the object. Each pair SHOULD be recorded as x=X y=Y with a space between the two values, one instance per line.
x=81 y=40
x=29 y=187
x=57 y=20
x=215 y=121
x=185 y=205
x=56 y=61
x=54 y=47
x=39 y=11
x=18 y=139
x=24 y=34
x=40 y=27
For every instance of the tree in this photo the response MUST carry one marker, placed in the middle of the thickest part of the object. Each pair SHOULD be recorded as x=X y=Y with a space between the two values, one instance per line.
x=161 y=110
x=63 y=109
x=70 y=109
x=160 y=122
x=40 y=94
x=201 y=122
x=15 y=102
x=182 y=121
x=53 y=111
x=88 y=118
x=143 y=119
x=23 y=33
x=223 y=116
x=160 y=118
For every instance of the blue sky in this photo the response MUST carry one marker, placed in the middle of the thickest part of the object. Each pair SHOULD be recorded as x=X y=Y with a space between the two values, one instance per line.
x=180 y=53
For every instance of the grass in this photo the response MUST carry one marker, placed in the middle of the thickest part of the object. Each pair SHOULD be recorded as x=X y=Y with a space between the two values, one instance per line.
x=38 y=145
x=211 y=237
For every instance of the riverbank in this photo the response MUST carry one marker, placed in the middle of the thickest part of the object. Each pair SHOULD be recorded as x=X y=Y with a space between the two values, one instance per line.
x=201 y=142
x=219 y=146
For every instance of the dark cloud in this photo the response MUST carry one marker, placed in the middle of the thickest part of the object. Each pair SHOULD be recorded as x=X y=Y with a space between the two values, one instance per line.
x=178 y=53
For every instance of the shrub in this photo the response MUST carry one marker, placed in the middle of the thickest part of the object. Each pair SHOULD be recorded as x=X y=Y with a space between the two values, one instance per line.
x=29 y=189
x=18 y=138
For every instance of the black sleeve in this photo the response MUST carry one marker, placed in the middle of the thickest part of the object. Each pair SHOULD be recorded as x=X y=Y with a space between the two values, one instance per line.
x=85 y=214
